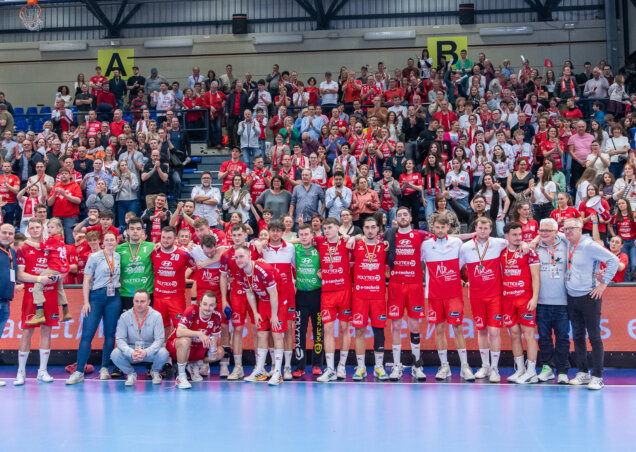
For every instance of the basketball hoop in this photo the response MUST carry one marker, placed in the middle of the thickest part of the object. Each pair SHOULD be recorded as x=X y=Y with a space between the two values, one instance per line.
x=31 y=16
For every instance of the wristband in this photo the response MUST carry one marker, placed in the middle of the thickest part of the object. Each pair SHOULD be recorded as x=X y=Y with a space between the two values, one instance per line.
x=39 y=279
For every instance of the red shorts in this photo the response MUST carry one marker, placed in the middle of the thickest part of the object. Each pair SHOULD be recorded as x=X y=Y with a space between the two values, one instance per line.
x=51 y=309
x=515 y=311
x=219 y=304
x=337 y=303
x=365 y=308
x=265 y=311
x=450 y=310
x=170 y=310
x=197 y=351
x=410 y=296
x=290 y=296
x=487 y=312
x=240 y=308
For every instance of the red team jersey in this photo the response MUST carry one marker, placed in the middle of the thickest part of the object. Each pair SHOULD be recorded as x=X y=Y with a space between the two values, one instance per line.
x=626 y=228
x=484 y=276
x=71 y=253
x=529 y=230
x=231 y=168
x=406 y=264
x=7 y=195
x=414 y=178
x=192 y=320
x=83 y=251
x=219 y=236
x=55 y=251
x=334 y=263
x=369 y=275
x=263 y=277
x=517 y=279
x=560 y=216
x=258 y=182
x=170 y=269
x=443 y=276
x=207 y=278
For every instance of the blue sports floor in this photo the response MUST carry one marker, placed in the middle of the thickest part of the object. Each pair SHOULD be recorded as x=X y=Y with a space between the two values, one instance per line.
x=308 y=416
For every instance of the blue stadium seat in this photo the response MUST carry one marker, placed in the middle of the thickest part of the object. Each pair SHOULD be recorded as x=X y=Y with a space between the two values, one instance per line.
x=127 y=117
x=36 y=125
x=45 y=110
x=21 y=124
x=74 y=108
x=32 y=111
x=18 y=111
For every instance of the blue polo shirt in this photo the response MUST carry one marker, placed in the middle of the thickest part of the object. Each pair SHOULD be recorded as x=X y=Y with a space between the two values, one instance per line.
x=8 y=261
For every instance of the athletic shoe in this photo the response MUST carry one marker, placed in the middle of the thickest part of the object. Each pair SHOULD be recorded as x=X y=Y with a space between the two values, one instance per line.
x=518 y=373
x=44 y=376
x=66 y=314
x=104 y=374
x=444 y=372
x=328 y=375
x=380 y=373
x=19 y=378
x=494 y=375
x=483 y=372
x=528 y=377
x=182 y=382
x=131 y=379
x=287 y=373
x=360 y=373
x=237 y=373
x=225 y=371
x=546 y=374
x=418 y=374
x=467 y=373
x=276 y=378
x=2 y=383
x=298 y=373
x=316 y=370
x=397 y=372
x=257 y=375
x=562 y=379
x=76 y=377
x=341 y=373
x=581 y=378
x=596 y=383
x=156 y=377
x=116 y=373
x=204 y=369
x=193 y=369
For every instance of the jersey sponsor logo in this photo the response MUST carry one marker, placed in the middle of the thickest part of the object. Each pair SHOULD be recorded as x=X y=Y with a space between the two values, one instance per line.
x=454 y=314
x=527 y=316
x=167 y=283
x=418 y=308
x=142 y=280
x=394 y=310
x=166 y=264
x=519 y=284
x=432 y=315
x=497 y=316
x=404 y=252
x=357 y=318
x=507 y=319
x=404 y=242
x=479 y=321
x=370 y=278
x=370 y=266
x=443 y=271
x=382 y=317
x=347 y=312
x=41 y=260
x=306 y=261
x=483 y=273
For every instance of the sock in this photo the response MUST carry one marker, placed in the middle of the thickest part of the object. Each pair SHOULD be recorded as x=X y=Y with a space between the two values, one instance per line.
x=360 y=359
x=495 y=359
x=225 y=361
x=520 y=365
x=238 y=360
x=44 y=358
x=39 y=311
x=64 y=305
x=330 y=359
x=22 y=360
x=262 y=356
x=278 y=359
x=443 y=356
x=272 y=352
x=379 y=359
x=463 y=356
x=288 y=358
x=485 y=357
x=397 y=354
x=343 y=358
x=532 y=366
x=182 y=372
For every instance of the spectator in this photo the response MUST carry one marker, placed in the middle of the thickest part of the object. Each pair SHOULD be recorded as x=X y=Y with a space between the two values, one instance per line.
x=579 y=147
x=566 y=87
x=156 y=217
x=306 y=199
x=3 y=100
x=83 y=165
x=9 y=188
x=234 y=111
x=329 y=93
x=273 y=80
x=195 y=78
x=249 y=131
x=124 y=185
x=237 y=198
x=25 y=165
x=206 y=199
x=164 y=101
x=625 y=187
x=52 y=158
x=229 y=167
x=227 y=81
x=154 y=178
x=596 y=86
x=364 y=202
x=117 y=126
x=338 y=197
x=118 y=87
x=153 y=82
x=312 y=124
x=65 y=200
x=134 y=84
x=99 y=173
x=276 y=198
x=6 y=120
x=179 y=149
x=101 y=199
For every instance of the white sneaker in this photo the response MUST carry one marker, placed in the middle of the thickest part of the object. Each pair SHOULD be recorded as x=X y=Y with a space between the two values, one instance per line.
x=276 y=378
x=396 y=372
x=131 y=379
x=19 y=378
x=360 y=373
x=444 y=372
x=581 y=378
x=518 y=373
x=237 y=373
x=494 y=375
x=204 y=369
x=76 y=377
x=287 y=373
x=257 y=375
x=156 y=377
x=380 y=373
x=483 y=372
x=2 y=384
x=341 y=373
x=182 y=382
x=193 y=368
x=418 y=374
x=327 y=375
x=104 y=374
x=529 y=377
x=546 y=374
x=562 y=379
x=44 y=376
x=467 y=373
x=225 y=370
x=596 y=383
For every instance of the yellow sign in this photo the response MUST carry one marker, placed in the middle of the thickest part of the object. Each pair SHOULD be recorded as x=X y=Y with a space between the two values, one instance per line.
x=447 y=46
x=122 y=60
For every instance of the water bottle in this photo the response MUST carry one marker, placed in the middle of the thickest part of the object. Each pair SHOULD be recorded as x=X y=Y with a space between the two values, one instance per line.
x=212 y=350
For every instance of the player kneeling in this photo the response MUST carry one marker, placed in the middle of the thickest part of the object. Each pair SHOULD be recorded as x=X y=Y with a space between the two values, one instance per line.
x=194 y=336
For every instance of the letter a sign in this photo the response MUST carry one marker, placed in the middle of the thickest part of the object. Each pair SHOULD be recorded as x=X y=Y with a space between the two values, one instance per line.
x=447 y=46
x=116 y=59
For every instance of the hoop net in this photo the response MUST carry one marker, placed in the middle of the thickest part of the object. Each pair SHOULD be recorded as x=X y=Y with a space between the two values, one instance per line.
x=31 y=16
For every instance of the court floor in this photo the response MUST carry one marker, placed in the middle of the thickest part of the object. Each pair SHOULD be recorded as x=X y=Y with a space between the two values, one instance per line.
x=305 y=415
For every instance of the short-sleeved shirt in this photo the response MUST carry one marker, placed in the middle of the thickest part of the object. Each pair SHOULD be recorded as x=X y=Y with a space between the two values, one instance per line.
x=56 y=253
x=517 y=278
x=63 y=208
x=137 y=272
x=154 y=185
x=582 y=145
x=263 y=277
x=170 y=269
x=334 y=264
x=192 y=320
x=98 y=267
x=7 y=195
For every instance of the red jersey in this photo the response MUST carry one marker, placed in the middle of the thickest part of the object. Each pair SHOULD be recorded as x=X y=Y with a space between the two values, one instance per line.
x=99 y=229
x=263 y=277
x=414 y=178
x=71 y=252
x=183 y=224
x=283 y=259
x=7 y=195
x=97 y=80
x=374 y=90
x=227 y=266
x=93 y=128
x=407 y=267
x=219 y=236
x=56 y=254
x=369 y=270
x=334 y=263
x=529 y=230
x=258 y=182
x=63 y=208
x=170 y=269
x=231 y=169
x=76 y=176
x=550 y=146
x=155 y=231
x=483 y=266
x=443 y=275
x=262 y=225
x=192 y=320
x=588 y=211
x=517 y=278
x=625 y=228
x=560 y=216
x=291 y=173
x=620 y=275
x=34 y=262
x=83 y=251
x=357 y=146
x=386 y=202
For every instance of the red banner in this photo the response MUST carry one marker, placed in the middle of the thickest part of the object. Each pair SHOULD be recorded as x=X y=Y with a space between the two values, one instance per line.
x=618 y=326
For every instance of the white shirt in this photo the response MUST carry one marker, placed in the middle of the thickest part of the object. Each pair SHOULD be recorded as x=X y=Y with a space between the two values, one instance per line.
x=399 y=109
x=192 y=80
x=462 y=179
x=464 y=121
x=330 y=98
x=598 y=163
x=204 y=210
x=165 y=101
x=616 y=144
x=539 y=198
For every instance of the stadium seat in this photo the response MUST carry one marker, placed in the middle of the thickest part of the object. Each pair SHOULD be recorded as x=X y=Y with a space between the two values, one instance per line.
x=18 y=111
x=32 y=111
x=21 y=124
x=45 y=110
x=36 y=125
x=74 y=108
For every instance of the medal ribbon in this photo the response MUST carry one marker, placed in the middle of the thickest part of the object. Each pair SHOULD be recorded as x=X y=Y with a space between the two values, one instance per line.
x=482 y=255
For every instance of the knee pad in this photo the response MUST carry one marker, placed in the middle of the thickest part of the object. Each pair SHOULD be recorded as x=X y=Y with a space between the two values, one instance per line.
x=415 y=338
x=378 y=339
x=227 y=351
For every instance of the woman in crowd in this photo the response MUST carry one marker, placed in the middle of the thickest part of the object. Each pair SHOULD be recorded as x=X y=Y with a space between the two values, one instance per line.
x=617 y=146
x=625 y=187
x=124 y=186
x=346 y=225
x=237 y=198
x=496 y=201
x=543 y=194
x=519 y=181
x=592 y=213
x=623 y=224
x=433 y=183
x=275 y=198
x=101 y=200
x=441 y=209
x=364 y=201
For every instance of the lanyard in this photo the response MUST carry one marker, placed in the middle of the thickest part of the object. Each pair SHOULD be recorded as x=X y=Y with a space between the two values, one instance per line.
x=370 y=255
x=140 y=325
x=482 y=255
x=250 y=280
x=8 y=253
x=134 y=256
x=552 y=253
x=514 y=254
x=571 y=253
x=111 y=265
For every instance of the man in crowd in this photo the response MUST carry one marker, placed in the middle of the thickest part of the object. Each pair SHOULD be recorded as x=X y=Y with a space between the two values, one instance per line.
x=156 y=218
x=306 y=199
x=154 y=178
x=206 y=199
x=65 y=200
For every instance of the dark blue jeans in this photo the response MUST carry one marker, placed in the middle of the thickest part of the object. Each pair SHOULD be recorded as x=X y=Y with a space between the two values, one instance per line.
x=104 y=307
x=215 y=131
x=123 y=207
x=553 y=319
x=4 y=315
x=67 y=224
x=10 y=212
x=585 y=315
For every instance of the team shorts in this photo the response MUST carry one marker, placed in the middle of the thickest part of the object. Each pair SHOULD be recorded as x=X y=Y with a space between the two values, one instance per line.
x=219 y=304
x=487 y=312
x=335 y=304
x=410 y=296
x=450 y=310
x=50 y=306
x=265 y=311
x=197 y=351
x=515 y=312
x=240 y=308
x=170 y=310
x=364 y=309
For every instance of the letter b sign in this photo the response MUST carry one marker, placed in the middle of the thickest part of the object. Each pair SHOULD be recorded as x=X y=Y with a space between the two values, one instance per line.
x=447 y=46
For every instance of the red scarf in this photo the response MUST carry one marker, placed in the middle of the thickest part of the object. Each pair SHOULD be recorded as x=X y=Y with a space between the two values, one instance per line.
x=275 y=160
x=428 y=182
x=29 y=206
x=572 y=89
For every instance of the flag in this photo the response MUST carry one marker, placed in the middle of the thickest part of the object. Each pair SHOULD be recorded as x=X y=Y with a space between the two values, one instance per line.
x=547 y=63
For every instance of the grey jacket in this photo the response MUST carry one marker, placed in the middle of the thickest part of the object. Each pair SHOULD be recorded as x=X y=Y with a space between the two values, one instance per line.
x=586 y=261
x=552 y=290
x=394 y=188
x=152 y=332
